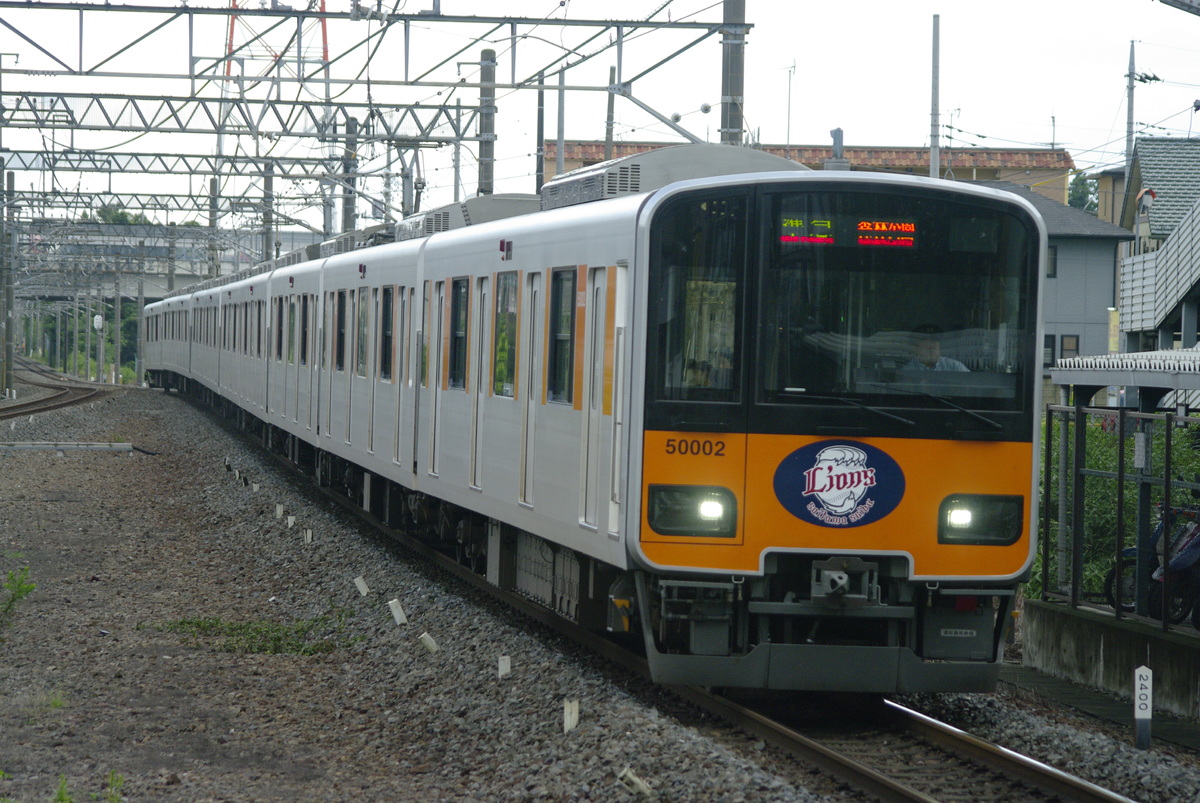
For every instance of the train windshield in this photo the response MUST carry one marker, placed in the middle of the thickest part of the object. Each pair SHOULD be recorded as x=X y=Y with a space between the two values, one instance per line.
x=840 y=298
x=893 y=296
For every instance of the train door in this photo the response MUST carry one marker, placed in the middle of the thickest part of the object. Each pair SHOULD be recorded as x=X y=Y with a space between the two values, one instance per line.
x=373 y=325
x=289 y=363
x=594 y=462
x=329 y=344
x=420 y=367
x=478 y=388
x=402 y=379
x=305 y=398
x=435 y=348
x=354 y=302
x=531 y=386
x=616 y=284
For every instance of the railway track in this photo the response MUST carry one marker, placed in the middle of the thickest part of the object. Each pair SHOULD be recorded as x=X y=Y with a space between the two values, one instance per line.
x=883 y=751
x=62 y=395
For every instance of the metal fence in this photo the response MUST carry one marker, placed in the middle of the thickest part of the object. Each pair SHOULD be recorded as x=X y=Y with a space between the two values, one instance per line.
x=1114 y=481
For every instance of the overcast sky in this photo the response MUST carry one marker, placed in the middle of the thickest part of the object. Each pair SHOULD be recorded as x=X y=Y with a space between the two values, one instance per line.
x=1018 y=73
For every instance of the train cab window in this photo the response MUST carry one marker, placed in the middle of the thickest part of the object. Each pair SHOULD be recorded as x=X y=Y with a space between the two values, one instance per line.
x=699 y=247
x=339 y=346
x=560 y=372
x=386 y=321
x=894 y=301
x=459 y=302
x=504 y=349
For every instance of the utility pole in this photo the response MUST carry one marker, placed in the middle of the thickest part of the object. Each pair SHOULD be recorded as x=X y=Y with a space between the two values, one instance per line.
x=349 y=168
x=5 y=309
x=935 y=154
x=487 y=122
x=1129 y=79
x=733 y=31
x=8 y=259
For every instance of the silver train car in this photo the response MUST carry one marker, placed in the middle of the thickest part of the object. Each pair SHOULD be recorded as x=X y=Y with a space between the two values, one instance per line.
x=689 y=399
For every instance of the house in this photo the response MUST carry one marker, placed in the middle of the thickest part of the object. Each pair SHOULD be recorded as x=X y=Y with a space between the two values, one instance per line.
x=1079 y=293
x=1160 y=271
x=1047 y=170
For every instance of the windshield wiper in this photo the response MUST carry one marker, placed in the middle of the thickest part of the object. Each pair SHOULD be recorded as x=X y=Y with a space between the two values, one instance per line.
x=850 y=402
x=978 y=416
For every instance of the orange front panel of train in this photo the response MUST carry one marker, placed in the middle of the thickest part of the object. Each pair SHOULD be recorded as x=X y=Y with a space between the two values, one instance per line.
x=839 y=495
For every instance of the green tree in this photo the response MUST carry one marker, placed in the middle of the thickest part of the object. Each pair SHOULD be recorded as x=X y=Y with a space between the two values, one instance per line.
x=116 y=215
x=1082 y=193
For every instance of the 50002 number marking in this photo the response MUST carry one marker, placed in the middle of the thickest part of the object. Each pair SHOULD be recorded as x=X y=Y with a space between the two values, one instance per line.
x=696 y=446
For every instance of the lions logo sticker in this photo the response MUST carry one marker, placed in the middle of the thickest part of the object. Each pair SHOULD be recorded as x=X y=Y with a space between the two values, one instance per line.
x=839 y=483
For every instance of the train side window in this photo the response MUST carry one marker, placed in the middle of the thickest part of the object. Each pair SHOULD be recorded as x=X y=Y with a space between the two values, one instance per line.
x=279 y=330
x=561 y=370
x=291 y=331
x=339 y=347
x=361 y=341
x=459 y=304
x=385 y=335
x=304 y=329
x=504 y=348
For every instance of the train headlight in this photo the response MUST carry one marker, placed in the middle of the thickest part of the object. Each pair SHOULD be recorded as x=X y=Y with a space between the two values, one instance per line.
x=981 y=519
x=695 y=510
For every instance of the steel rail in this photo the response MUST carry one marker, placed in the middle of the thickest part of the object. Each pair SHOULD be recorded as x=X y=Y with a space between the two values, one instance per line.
x=1066 y=786
x=845 y=768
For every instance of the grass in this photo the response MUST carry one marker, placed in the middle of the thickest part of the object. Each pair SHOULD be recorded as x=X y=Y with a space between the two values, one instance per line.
x=314 y=636
x=16 y=588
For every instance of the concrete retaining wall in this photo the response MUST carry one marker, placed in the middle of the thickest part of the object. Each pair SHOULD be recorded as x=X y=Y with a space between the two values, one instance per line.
x=1096 y=649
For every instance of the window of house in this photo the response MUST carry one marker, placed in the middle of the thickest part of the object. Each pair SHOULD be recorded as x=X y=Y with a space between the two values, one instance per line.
x=1052 y=262
x=559 y=384
x=1069 y=346
x=1047 y=351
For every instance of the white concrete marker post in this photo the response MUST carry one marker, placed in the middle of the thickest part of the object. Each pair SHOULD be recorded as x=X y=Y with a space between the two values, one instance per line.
x=308 y=536
x=361 y=583
x=429 y=643
x=570 y=715
x=505 y=666
x=1143 y=705
x=279 y=511
x=397 y=612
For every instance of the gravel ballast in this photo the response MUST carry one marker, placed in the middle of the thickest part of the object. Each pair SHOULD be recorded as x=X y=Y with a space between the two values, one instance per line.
x=107 y=683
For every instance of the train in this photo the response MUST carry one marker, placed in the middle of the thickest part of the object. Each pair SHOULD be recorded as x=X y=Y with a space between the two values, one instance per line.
x=775 y=424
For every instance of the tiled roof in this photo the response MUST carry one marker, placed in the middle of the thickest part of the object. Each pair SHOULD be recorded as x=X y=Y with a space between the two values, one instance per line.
x=1170 y=167
x=880 y=157
x=1062 y=220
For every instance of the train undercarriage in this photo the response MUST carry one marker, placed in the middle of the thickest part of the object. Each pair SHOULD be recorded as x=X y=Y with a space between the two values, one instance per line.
x=837 y=623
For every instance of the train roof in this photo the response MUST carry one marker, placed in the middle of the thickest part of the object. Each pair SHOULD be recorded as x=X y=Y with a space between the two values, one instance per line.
x=643 y=172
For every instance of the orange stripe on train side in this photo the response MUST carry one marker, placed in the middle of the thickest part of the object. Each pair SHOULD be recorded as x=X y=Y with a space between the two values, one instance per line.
x=932 y=470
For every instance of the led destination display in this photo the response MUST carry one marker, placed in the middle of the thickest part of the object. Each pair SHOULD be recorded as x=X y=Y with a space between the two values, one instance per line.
x=869 y=232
